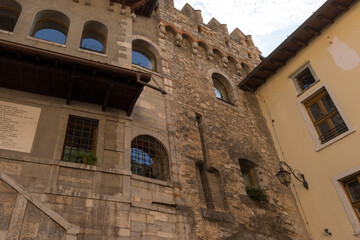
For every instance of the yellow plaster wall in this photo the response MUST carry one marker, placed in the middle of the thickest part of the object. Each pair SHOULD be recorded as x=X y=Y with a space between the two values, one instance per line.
x=321 y=204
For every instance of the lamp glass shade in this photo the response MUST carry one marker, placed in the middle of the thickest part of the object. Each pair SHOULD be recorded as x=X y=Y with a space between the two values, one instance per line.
x=284 y=177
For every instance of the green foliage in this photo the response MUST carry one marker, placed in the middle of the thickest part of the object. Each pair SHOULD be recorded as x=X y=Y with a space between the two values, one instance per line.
x=257 y=194
x=89 y=158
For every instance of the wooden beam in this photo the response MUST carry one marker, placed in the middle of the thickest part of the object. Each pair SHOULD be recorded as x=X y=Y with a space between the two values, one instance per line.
x=259 y=79
x=107 y=97
x=138 y=4
x=287 y=51
x=266 y=70
x=70 y=89
x=313 y=31
x=325 y=19
x=340 y=6
x=300 y=42
x=273 y=60
x=133 y=102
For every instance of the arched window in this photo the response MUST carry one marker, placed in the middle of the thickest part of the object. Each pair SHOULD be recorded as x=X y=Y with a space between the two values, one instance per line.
x=51 y=25
x=143 y=57
x=9 y=13
x=220 y=88
x=149 y=158
x=245 y=67
x=248 y=173
x=94 y=36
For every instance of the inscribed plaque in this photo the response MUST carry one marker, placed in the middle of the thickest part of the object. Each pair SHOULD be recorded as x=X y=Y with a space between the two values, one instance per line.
x=17 y=126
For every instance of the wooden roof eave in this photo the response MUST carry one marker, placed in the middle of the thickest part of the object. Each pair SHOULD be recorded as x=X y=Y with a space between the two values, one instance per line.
x=298 y=40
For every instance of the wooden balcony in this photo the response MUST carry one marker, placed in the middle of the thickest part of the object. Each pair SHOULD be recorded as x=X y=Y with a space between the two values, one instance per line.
x=48 y=73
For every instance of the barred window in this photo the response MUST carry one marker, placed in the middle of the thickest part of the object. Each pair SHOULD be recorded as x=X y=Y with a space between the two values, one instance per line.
x=304 y=78
x=149 y=158
x=80 y=140
x=352 y=187
x=325 y=117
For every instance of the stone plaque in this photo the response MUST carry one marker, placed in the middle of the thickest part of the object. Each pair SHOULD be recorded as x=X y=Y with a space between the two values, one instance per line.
x=18 y=126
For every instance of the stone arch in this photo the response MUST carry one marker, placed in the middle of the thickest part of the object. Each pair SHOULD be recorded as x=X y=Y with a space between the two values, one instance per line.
x=149 y=158
x=97 y=32
x=10 y=11
x=245 y=68
x=203 y=50
x=232 y=64
x=217 y=56
x=170 y=29
x=187 y=40
x=152 y=47
x=50 y=20
x=225 y=80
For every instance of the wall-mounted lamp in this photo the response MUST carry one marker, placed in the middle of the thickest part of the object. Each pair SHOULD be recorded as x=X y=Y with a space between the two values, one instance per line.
x=285 y=176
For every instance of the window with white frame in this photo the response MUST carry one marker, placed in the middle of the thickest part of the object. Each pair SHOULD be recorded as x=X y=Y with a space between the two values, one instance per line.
x=304 y=78
x=347 y=186
x=325 y=117
x=352 y=188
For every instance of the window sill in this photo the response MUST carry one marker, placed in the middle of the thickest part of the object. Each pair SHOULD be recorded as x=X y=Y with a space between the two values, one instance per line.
x=301 y=93
x=45 y=41
x=225 y=101
x=92 y=52
x=138 y=67
x=77 y=165
x=151 y=180
x=6 y=32
x=320 y=146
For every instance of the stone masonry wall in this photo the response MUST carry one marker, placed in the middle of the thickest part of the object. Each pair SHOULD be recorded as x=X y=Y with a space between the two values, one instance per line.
x=42 y=197
x=229 y=132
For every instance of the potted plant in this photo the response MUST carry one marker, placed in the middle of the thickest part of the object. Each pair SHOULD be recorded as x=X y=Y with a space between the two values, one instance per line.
x=82 y=157
x=256 y=194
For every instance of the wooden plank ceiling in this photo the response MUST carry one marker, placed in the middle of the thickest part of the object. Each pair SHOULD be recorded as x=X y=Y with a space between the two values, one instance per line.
x=39 y=71
x=298 y=40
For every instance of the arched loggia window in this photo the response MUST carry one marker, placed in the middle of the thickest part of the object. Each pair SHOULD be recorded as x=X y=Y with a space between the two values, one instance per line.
x=143 y=57
x=94 y=36
x=149 y=158
x=51 y=25
x=9 y=13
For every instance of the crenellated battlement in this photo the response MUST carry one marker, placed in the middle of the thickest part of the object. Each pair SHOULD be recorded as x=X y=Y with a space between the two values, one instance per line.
x=213 y=37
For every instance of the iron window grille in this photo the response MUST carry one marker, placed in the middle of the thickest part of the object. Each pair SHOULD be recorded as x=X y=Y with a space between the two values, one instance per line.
x=305 y=79
x=149 y=158
x=81 y=134
x=325 y=117
x=352 y=188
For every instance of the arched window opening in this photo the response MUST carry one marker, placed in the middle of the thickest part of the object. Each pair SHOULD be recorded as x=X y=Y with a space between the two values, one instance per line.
x=51 y=25
x=219 y=87
x=94 y=36
x=248 y=173
x=9 y=14
x=245 y=67
x=149 y=158
x=143 y=57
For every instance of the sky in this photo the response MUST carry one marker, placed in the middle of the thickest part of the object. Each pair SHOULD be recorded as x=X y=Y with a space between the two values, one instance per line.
x=268 y=21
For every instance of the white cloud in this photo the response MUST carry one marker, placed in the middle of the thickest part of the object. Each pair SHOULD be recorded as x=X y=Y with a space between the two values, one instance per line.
x=258 y=18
